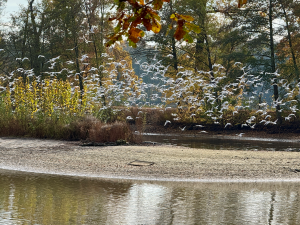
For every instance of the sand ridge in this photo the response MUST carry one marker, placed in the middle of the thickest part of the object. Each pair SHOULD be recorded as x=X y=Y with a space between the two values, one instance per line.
x=166 y=162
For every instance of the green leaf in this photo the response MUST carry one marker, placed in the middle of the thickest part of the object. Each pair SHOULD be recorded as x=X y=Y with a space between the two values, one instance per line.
x=148 y=16
x=155 y=16
x=131 y=19
x=192 y=27
x=119 y=38
x=188 y=38
x=117 y=28
x=109 y=43
x=131 y=43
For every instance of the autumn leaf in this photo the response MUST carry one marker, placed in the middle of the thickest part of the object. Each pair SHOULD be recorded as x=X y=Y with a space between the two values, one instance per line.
x=147 y=24
x=126 y=25
x=156 y=27
x=186 y=17
x=157 y=4
x=117 y=28
x=192 y=27
x=184 y=26
x=188 y=38
x=153 y=14
x=179 y=33
x=113 y=38
x=173 y=17
x=137 y=21
x=131 y=43
x=135 y=34
x=145 y=13
x=241 y=3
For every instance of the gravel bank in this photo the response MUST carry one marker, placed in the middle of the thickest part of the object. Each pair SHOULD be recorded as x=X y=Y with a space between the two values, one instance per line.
x=157 y=162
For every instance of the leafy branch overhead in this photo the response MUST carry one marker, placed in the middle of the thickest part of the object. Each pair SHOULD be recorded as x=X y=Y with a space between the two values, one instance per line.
x=133 y=13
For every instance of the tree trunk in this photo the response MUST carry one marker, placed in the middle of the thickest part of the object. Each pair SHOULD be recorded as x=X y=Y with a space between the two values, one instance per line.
x=36 y=42
x=273 y=65
x=76 y=48
x=102 y=49
x=200 y=45
x=199 y=51
x=210 y=65
x=174 y=52
x=290 y=41
x=78 y=68
x=23 y=49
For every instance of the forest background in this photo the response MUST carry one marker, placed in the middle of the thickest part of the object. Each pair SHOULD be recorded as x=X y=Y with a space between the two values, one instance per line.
x=59 y=78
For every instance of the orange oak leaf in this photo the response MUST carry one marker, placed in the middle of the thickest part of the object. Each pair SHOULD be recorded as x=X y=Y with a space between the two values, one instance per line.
x=179 y=33
x=135 y=34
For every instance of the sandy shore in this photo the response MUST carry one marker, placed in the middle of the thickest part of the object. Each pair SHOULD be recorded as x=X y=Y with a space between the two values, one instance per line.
x=157 y=162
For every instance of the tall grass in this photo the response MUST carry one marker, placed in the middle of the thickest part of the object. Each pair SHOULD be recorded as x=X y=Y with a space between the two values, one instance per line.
x=53 y=109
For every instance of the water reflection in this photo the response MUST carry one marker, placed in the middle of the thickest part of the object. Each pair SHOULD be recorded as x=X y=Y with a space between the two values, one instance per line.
x=219 y=143
x=41 y=199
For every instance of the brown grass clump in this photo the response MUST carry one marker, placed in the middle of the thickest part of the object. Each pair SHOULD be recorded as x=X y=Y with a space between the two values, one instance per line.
x=82 y=128
x=79 y=129
x=12 y=127
x=101 y=132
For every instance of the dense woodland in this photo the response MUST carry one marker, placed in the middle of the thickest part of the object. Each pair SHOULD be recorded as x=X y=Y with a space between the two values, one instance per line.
x=240 y=71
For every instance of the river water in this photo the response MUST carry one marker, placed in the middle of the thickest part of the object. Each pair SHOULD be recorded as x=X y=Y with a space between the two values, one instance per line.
x=28 y=198
x=43 y=199
x=227 y=143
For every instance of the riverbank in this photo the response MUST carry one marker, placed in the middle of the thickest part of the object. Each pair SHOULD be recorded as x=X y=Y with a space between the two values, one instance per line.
x=153 y=162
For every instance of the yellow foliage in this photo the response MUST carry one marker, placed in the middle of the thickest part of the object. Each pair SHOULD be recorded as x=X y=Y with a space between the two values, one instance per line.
x=46 y=98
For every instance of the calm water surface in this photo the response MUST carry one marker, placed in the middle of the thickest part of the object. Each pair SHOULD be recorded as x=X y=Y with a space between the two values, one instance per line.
x=218 y=143
x=42 y=199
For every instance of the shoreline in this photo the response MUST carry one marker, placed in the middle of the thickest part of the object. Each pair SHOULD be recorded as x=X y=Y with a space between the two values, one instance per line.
x=251 y=137
x=170 y=163
x=151 y=179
